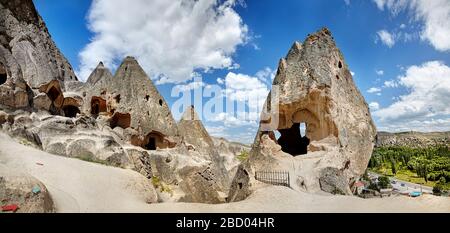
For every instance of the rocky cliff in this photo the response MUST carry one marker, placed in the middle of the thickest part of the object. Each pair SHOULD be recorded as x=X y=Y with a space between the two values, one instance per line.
x=27 y=50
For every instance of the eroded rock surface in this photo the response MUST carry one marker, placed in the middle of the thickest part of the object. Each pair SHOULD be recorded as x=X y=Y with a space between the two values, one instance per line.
x=313 y=87
x=26 y=192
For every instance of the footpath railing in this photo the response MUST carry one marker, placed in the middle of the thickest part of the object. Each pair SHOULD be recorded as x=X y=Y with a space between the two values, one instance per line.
x=280 y=178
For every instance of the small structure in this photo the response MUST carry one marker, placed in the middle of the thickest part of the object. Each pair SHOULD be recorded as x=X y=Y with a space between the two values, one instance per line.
x=359 y=187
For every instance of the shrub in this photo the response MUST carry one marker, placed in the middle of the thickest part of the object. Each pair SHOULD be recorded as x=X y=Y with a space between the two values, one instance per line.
x=243 y=156
x=437 y=189
x=383 y=182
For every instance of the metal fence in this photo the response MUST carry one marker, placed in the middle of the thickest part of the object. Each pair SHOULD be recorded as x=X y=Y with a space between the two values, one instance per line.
x=280 y=178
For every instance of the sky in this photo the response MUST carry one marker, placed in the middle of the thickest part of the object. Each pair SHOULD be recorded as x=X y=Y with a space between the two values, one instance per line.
x=222 y=55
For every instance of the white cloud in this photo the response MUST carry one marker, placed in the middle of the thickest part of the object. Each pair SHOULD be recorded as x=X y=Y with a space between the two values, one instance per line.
x=374 y=90
x=217 y=131
x=171 y=39
x=190 y=86
x=379 y=72
x=352 y=73
x=347 y=2
x=427 y=100
x=374 y=106
x=434 y=16
x=240 y=119
x=242 y=87
x=390 y=84
x=248 y=93
x=431 y=125
x=266 y=74
x=386 y=38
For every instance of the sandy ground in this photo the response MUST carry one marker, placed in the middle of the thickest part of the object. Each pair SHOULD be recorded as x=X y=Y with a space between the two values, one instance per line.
x=79 y=186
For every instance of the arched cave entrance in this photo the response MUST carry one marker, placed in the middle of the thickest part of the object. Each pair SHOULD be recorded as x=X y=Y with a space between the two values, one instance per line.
x=152 y=141
x=71 y=111
x=151 y=144
x=292 y=141
x=3 y=75
x=122 y=120
x=98 y=105
x=155 y=140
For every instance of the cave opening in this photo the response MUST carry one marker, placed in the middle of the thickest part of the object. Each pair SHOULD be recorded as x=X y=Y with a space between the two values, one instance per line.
x=151 y=144
x=122 y=120
x=71 y=111
x=292 y=141
x=3 y=75
x=98 y=105
x=53 y=94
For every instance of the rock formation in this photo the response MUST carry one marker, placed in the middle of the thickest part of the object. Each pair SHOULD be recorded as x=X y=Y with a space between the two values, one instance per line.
x=29 y=59
x=119 y=120
x=313 y=85
x=229 y=151
x=26 y=192
x=200 y=143
x=413 y=139
x=129 y=100
x=33 y=72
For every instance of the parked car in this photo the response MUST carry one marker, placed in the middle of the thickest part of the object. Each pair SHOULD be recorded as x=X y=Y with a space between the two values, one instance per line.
x=393 y=182
x=403 y=185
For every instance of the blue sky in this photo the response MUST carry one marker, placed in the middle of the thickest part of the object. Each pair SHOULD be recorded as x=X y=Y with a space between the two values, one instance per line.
x=399 y=51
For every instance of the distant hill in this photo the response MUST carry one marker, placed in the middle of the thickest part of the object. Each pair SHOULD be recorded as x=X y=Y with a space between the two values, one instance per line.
x=226 y=147
x=413 y=139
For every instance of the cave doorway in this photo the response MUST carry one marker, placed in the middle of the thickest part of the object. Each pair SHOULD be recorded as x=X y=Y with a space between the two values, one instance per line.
x=71 y=111
x=151 y=144
x=292 y=141
x=3 y=75
x=98 y=105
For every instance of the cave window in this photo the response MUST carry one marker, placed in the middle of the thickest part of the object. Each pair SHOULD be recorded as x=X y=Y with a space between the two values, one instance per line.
x=151 y=145
x=147 y=97
x=98 y=105
x=53 y=93
x=292 y=141
x=117 y=98
x=160 y=102
x=340 y=64
x=3 y=75
x=120 y=120
x=71 y=111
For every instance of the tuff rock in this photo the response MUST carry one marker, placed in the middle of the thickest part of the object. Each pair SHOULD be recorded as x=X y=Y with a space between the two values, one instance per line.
x=314 y=86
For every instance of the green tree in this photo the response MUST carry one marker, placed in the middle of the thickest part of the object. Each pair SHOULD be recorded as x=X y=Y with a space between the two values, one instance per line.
x=383 y=182
x=393 y=167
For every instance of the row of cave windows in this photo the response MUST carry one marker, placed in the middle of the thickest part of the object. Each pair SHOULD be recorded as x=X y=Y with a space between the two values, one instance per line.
x=290 y=140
